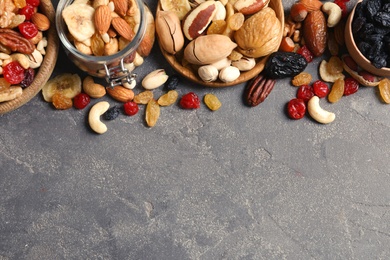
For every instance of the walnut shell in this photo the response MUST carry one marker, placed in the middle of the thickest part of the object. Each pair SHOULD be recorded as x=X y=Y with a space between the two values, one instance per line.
x=259 y=35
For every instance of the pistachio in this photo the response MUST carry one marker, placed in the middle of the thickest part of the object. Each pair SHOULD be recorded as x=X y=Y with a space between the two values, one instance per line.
x=169 y=31
x=208 y=73
x=155 y=79
x=225 y=62
x=229 y=74
x=244 y=64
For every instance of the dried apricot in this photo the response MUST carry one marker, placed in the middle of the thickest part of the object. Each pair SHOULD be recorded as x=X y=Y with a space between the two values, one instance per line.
x=212 y=102
x=303 y=78
x=61 y=102
x=384 y=90
x=168 y=98
x=337 y=91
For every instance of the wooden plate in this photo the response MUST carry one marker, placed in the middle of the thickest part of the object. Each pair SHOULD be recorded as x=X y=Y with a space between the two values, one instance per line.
x=47 y=66
x=175 y=60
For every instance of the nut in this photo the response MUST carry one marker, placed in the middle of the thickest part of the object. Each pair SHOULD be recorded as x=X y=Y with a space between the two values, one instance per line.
x=155 y=79
x=120 y=93
x=229 y=74
x=22 y=59
x=287 y=44
x=94 y=117
x=93 y=89
x=35 y=59
x=311 y=5
x=298 y=12
x=208 y=49
x=248 y=7
x=102 y=19
x=120 y=7
x=315 y=32
x=15 y=41
x=208 y=73
x=111 y=47
x=198 y=19
x=225 y=62
x=318 y=113
x=41 y=21
x=123 y=28
x=334 y=13
x=258 y=90
x=221 y=11
x=244 y=64
x=169 y=31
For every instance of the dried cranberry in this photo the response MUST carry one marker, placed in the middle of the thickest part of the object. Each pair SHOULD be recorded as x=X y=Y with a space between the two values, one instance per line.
x=33 y=2
x=29 y=75
x=305 y=52
x=367 y=76
x=343 y=5
x=131 y=108
x=296 y=108
x=351 y=86
x=305 y=92
x=320 y=88
x=28 y=29
x=13 y=72
x=190 y=101
x=27 y=11
x=81 y=100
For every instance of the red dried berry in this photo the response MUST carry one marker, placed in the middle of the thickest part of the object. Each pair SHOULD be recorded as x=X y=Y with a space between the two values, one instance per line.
x=343 y=6
x=131 y=108
x=305 y=92
x=351 y=86
x=367 y=76
x=33 y=2
x=13 y=72
x=29 y=75
x=27 y=11
x=305 y=52
x=296 y=108
x=190 y=101
x=28 y=30
x=350 y=62
x=320 y=88
x=81 y=100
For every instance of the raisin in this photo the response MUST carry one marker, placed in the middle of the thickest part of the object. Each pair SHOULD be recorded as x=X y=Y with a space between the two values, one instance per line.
x=168 y=98
x=61 y=102
x=97 y=45
x=303 y=78
x=29 y=75
x=212 y=102
x=152 y=113
x=372 y=8
x=144 y=97
x=350 y=86
x=337 y=91
x=358 y=24
x=190 y=101
x=111 y=113
x=296 y=108
x=13 y=72
x=217 y=27
x=384 y=90
x=382 y=18
x=334 y=65
x=81 y=100
x=131 y=108
x=305 y=92
x=20 y=3
x=284 y=64
x=172 y=82
x=4 y=84
x=320 y=88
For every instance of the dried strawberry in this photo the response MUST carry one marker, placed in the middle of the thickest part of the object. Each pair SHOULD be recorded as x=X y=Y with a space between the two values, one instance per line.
x=305 y=92
x=320 y=88
x=190 y=101
x=305 y=52
x=351 y=86
x=131 y=108
x=296 y=108
x=81 y=100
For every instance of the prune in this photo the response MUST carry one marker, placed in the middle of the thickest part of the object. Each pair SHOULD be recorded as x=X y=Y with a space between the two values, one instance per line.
x=284 y=64
x=111 y=113
x=382 y=18
x=172 y=82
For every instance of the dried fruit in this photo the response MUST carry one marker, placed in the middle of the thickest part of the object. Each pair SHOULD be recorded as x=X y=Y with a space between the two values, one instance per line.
x=152 y=113
x=61 y=102
x=337 y=91
x=111 y=113
x=320 y=88
x=172 y=82
x=131 y=108
x=13 y=72
x=29 y=75
x=303 y=78
x=28 y=29
x=97 y=45
x=68 y=84
x=305 y=52
x=212 y=102
x=143 y=97
x=384 y=90
x=334 y=65
x=168 y=98
x=190 y=101
x=326 y=75
x=217 y=27
x=284 y=64
x=305 y=92
x=296 y=108
x=350 y=86
x=315 y=32
x=81 y=100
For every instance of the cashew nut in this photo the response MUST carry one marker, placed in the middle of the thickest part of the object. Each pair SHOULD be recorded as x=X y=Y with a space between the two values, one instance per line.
x=94 y=117
x=208 y=73
x=94 y=90
x=22 y=59
x=319 y=114
x=334 y=13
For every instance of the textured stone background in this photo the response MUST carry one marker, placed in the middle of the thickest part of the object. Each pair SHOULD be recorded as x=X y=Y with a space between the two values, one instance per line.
x=238 y=183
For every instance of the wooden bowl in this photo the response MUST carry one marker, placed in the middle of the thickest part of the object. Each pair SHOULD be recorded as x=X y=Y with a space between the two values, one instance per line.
x=175 y=61
x=355 y=53
x=45 y=70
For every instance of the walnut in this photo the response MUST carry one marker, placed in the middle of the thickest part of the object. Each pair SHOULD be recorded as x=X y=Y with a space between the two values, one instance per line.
x=260 y=34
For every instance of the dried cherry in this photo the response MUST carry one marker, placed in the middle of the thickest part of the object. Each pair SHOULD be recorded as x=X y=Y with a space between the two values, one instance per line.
x=190 y=101
x=131 y=108
x=13 y=72
x=296 y=108
x=27 y=11
x=28 y=29
x=351 y=86
x=305 y=52
x=305 y=92
x=34 y=3
x=320 y=88
x=81 y=100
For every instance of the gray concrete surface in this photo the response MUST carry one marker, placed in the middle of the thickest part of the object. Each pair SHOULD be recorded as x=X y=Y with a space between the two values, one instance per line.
x=237 y=183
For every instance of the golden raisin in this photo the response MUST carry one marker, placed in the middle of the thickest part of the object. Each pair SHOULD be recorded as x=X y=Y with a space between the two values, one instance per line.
x=337 y=91
x=152 y=113
x=61 y=102
x=4 y=84
x=303 y=78
x=97 y=45
x=384 y=90
x=216 y=27
x=144 y=97
x=334 y=65
x=168 y=98
x=212 y=102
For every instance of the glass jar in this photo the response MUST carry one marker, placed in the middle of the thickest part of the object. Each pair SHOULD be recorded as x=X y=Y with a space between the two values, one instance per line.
x=111 y=67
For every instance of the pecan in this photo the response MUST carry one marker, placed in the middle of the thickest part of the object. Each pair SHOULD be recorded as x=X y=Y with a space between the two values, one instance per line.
x=15 y=41
x=258 y=90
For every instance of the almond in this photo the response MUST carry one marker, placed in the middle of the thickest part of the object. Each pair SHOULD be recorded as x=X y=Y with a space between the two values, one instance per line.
x=120 y=93
x=311 y=5
x=41 y=21
x=121 y=7
x=123 y=28
x=102 y=18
